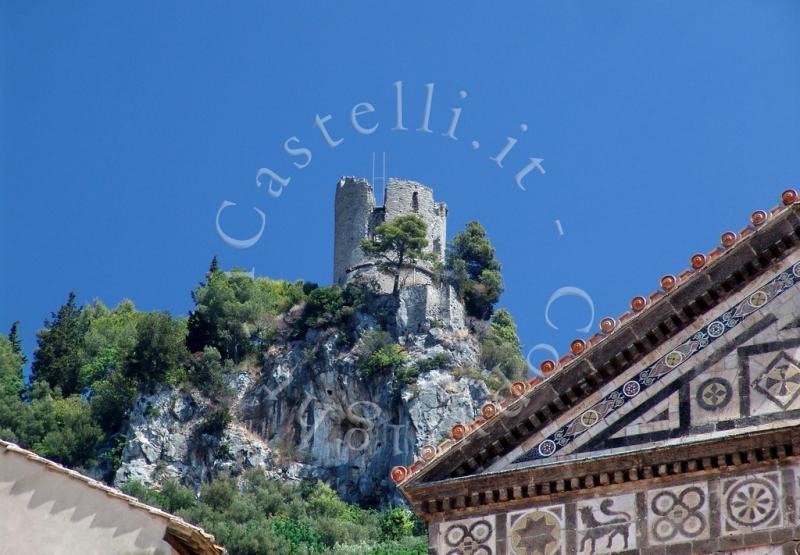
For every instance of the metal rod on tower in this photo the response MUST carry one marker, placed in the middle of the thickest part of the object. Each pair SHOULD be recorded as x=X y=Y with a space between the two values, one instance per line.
x=381 y=177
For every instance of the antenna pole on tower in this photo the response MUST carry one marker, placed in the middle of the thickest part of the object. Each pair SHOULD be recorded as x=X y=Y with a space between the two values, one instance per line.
x=381 y=177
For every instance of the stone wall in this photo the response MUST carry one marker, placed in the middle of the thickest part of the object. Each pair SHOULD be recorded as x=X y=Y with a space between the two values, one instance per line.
x=357 y=217
x=354 y=205
x=425 y=304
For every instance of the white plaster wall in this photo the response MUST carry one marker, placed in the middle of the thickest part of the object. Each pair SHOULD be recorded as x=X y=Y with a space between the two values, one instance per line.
x=45 y=512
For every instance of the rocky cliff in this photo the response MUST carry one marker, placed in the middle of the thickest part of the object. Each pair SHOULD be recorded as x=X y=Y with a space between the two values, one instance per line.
x=308 y=410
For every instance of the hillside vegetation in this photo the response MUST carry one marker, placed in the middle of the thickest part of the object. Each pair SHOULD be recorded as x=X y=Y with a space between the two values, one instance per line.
x=92 y=361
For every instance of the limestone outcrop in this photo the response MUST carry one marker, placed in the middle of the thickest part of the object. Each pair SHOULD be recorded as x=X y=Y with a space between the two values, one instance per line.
x=310 y=411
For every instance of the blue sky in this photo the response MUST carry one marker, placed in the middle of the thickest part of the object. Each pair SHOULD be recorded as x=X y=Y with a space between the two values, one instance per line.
x=123 y=128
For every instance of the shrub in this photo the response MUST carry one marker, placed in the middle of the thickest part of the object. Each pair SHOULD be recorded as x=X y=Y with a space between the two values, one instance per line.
x=492 y=382
x=500 y=348
x=436 y=362
x=261 y=515
x=378 y=353
x=215 y=423
x=325 y=306
x=206 y=372
x=388 y=357
x=407 y=374
x=177 y=497
x=151 y=496
x=396 y=523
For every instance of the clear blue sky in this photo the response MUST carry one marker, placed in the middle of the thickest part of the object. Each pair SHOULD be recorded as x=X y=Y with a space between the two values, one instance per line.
x=124 y=127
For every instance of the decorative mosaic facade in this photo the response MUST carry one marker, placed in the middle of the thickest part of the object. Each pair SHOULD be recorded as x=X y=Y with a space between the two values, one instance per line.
x=699 y=515
x=675 y=431
x=775 y=387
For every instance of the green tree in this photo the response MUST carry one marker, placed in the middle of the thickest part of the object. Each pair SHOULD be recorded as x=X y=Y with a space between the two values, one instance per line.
x=396 y=523
x=11 y=363
x=207 y=374
x=16 y=342
x=398 y=244
x=109 y=340
x=236 y=314
x=74 y=438
x=474 y=271
x=324 y=306
x=160 y=348
x=500 y=348
x=59 y=356
x=111 y=399
x=214 y=266
x=200 y=326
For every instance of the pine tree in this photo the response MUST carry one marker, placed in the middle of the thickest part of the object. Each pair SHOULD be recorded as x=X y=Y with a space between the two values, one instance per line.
x=214 y=265
x=398 y=244
x=16 y=342
x=200 y=328
x=59 y=354
x=474 y=271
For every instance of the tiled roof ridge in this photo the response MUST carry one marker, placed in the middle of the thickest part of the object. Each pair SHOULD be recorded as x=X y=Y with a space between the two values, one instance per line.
x=176 y=522
x=578 y=347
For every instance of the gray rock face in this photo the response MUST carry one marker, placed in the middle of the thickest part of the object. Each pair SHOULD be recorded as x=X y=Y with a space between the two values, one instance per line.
x=311 y=413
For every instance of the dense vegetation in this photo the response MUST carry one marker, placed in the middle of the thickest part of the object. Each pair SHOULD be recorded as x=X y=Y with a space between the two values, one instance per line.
x=473 y=270
x=91 y=361
x=262 y=516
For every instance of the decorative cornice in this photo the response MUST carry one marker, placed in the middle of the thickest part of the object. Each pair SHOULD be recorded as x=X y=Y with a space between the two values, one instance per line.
x=486 y=493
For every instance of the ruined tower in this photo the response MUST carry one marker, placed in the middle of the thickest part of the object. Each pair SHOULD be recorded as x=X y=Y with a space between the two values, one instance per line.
x=356 y=218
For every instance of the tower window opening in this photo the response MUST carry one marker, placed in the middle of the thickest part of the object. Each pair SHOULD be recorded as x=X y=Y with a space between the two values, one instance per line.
x=415 y=202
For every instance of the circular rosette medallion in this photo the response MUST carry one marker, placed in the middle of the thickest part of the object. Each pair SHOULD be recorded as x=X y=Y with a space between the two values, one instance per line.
x=590 y=418
x=752 y=502
x=536 y=533
x=715 y=329
x=673 y=359
x=714 y=394
x=547 y=447
x=758 y=299
x=631 y=388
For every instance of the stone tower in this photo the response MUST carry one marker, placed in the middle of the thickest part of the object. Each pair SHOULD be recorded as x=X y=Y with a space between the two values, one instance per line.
x=356 y=218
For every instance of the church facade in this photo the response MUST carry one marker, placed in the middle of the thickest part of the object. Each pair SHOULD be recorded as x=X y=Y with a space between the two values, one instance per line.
x=673 y=431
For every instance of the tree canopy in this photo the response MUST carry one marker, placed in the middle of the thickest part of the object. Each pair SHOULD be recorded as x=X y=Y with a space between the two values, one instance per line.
x=397 y=244
x=58 y=358
x=235 y=313
x=474 y=271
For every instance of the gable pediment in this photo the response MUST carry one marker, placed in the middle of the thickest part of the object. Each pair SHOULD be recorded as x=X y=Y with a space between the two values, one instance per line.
x=711 y=357
x=736 y=373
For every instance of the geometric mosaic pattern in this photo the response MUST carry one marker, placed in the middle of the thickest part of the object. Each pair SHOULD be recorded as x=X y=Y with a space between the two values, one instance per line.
x=780 y=382
x=469 y=537
x=689 y=513
x=678 y=514
x=537 y=532
x=751 y=503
